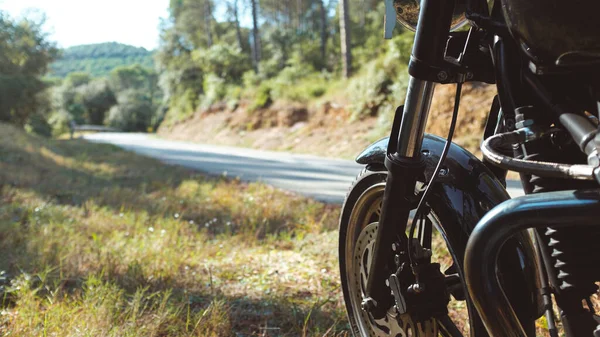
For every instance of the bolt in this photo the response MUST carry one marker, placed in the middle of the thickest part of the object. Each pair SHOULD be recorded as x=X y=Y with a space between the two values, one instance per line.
x=442 y=75
x=469 y=75
x=367 y=304
x=397 y=259
x=443 y=172
x=394 y=246
x=416 y=288
x=510 y=124
x=425 y=153
x=387 y=283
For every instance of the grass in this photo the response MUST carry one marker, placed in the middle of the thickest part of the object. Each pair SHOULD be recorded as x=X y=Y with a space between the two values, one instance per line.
x=96 y=241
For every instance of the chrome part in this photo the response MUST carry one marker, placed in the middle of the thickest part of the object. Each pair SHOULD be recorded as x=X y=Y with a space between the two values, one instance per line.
x=416 y=111
x=594 y=159
x=557 y=170
x=394 y=284
x=407 y=13
x=393 y=324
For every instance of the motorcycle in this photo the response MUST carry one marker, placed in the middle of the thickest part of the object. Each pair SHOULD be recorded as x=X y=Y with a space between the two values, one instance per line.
x=506 y=261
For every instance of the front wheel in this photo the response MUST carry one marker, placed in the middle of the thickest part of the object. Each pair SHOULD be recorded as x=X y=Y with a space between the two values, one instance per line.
x=358 y=229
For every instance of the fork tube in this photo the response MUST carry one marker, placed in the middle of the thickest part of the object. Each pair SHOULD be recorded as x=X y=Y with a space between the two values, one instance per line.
x=412 y=129
x=403 y=161
x=404 y=165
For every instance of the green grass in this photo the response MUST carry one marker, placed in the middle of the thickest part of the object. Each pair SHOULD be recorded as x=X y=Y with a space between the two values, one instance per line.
x=95 y=241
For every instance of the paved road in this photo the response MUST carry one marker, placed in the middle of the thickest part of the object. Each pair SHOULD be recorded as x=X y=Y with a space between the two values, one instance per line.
x=321 y=178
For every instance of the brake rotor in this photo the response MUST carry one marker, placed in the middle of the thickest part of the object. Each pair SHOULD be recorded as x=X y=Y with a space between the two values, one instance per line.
x=393 y=324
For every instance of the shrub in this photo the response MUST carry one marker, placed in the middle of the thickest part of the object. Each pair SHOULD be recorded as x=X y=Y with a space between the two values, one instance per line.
x=232 y=96
x=368 y=91
x=59 y=122
x=225 y=61
x=214 y=90
x=38 y=125
x=132 y=113
x=262 y=98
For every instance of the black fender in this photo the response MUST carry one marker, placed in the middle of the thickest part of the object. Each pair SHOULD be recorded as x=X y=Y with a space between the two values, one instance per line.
x=468 y=189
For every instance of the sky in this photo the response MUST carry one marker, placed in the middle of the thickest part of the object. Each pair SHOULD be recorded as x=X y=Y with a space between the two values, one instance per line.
x=75 y=22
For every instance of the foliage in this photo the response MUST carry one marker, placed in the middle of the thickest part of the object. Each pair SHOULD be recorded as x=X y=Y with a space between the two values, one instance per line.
x=223 y=60
x=25 y=53
x=206 y=59
x=133 y=112
x=99 y=59
x=38 y=124
x=201 y=63
x=262 y=98
x=97 y=98
x=130 y=93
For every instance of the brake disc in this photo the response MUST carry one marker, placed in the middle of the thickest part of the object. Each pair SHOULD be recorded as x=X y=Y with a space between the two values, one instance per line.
x=393 y=324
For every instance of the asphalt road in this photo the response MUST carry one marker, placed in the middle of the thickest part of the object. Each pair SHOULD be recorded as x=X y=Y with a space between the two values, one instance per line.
x=324 y=179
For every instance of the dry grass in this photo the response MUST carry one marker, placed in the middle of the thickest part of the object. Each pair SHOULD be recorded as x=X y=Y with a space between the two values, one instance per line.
x=95 y=241
x=99 y=242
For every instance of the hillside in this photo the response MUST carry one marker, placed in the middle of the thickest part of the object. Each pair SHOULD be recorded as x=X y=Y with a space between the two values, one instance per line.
x=326 y=127
x=99 y=59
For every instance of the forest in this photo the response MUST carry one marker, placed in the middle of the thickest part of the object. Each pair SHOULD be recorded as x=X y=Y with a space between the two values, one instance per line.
x=99 y=59
x=249 y=53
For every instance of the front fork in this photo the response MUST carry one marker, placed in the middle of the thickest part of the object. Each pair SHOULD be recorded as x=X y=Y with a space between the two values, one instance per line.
x=403 y=160
x=404 y=166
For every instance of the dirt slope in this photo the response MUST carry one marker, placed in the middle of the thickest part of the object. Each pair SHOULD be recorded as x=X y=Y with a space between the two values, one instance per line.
x=326 y=129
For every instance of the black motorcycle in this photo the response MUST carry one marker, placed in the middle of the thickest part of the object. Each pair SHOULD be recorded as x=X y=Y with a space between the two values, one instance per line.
x=427 y=225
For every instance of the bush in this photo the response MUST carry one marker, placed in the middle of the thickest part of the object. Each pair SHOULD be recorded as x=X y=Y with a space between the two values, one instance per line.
x=38 y=125
x=368 y=91
x=132 y=113
x=262 y=98
x=214 y=90
x=223 y=60
x=287 y=80
x=59 y=122
x=232 y=96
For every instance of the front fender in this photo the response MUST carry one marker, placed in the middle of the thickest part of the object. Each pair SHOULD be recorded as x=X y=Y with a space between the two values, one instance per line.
x=468 y=189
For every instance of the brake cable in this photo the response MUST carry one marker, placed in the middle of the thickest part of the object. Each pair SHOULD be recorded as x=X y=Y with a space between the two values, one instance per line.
x=436 y=171
x=447 y=145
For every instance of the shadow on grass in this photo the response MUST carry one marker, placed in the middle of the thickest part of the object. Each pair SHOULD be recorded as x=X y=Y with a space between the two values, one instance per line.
x=72 y=172
x=63 y=202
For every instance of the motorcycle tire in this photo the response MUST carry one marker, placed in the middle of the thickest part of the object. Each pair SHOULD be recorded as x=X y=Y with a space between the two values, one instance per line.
x=357 y=230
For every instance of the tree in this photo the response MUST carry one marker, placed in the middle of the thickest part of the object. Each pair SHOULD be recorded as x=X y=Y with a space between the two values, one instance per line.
x=207 y=22
x=323 y=26
x=99 y=59
x=255 y=35
x=233 y=9
x=131 y=77
x=346 y=48
x=97 y=99
x=133 y=112
x=25 y=53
